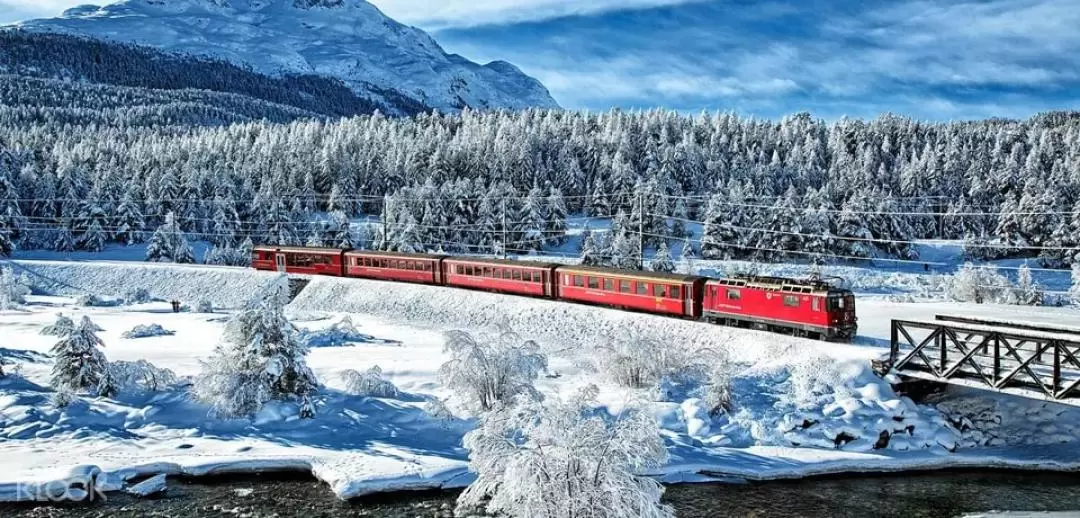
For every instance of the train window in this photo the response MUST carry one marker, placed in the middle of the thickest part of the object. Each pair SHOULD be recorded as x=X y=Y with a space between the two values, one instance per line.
x=676 y=292
x=791 y=300
x=516 y=275
x=609 y=285
x=488 y=272
x=734 y=294
x=660 y=290
x=624 y=286
x=815 y=304
x=579 y=281
x=594 y=283
x=537 y=277
x=642 y=288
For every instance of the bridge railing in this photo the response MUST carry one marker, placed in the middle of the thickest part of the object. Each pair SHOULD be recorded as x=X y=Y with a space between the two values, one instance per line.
x=998 y=354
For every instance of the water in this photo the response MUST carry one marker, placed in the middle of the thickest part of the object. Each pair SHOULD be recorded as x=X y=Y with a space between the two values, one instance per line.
x=941 y=494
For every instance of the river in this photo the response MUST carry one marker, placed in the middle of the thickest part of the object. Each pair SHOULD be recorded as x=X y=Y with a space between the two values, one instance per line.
x=936 y=494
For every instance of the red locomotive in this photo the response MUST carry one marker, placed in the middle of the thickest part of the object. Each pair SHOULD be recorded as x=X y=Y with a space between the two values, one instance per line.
x=812 y=309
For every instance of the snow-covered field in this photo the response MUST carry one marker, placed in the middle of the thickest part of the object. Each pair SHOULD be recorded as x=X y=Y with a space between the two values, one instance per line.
x=800 y=407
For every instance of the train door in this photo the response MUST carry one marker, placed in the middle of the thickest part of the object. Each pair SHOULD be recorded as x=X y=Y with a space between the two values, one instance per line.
x=279 y=261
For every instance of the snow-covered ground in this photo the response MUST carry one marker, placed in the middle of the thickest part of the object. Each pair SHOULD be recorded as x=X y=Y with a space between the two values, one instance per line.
x=801 y=407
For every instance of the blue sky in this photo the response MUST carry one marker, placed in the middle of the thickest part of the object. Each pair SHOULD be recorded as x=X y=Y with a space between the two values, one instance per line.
x=929 y=59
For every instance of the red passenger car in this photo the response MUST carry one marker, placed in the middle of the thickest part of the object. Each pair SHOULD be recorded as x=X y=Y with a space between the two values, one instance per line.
x=306 y=261
x=805 y=308
x=262 y=258
x=665 y=294
x=517 y=277
x=391 y=266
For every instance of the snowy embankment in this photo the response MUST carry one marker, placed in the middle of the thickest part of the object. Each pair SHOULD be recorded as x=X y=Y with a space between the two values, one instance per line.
x=799 y=407
x=223 y=286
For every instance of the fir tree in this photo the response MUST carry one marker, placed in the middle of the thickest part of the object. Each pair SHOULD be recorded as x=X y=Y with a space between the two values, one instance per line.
x=661 y=261
x=169 y=243
x=262 y=359
x=128 y=221
x=79 y=363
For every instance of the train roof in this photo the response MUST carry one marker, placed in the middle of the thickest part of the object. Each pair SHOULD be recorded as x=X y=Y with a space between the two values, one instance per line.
x=398 y=255
x=778 y=284
x=502 y=262
x=302 y=249
x=629 y=273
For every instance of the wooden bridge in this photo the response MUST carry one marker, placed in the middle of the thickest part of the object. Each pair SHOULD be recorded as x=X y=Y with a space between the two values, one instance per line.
x=1030 y=360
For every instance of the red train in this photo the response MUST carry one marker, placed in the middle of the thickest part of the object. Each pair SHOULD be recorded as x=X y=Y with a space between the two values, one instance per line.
x=804 y=308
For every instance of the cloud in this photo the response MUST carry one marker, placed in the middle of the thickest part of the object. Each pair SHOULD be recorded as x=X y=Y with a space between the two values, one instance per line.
x=444 y=14
x=17 y=10
x=929 y=59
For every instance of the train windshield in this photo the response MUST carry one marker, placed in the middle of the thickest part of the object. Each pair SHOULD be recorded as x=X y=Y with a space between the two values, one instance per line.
x=837 y=303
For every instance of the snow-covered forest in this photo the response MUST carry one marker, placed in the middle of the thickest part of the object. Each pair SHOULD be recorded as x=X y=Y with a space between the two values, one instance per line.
x=486 y=182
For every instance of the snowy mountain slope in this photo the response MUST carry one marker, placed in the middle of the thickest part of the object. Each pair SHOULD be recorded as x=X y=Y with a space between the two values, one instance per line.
x=348 y=39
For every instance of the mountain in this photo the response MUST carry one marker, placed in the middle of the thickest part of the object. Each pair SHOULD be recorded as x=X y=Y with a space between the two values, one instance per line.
x=346 y=39
x=77 y=80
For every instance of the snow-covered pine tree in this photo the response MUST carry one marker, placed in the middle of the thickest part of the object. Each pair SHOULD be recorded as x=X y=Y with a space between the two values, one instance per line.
x=226 y=229
x=817 y=224
x=79 y=363
x=93 y=239
x=687 y=256
x=1009 y=231
x=1027 y=292
x=589 y=252
x=679 y=218
x=338 y=232
x=598 y=206
x=168 y=243
x=13 y=291
x=128 y=223
x=854 y=237
x=661 y=261
x=623 y=251
x=261 y=359
x=719 y=239
x=64 y=240
x=533 y=224
x=556 y=216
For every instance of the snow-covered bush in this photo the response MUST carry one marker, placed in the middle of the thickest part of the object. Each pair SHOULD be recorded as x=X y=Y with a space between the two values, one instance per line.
x=369 y=383
x=13 y=290
x=79 y=363
x=146 y=331
x=980 y=284
x=137 y=296
x=718 y=394
x=633 y=360
x=336 y=335
x=90 y=300
x=140 y=375
x=484 y=371
x=204 y=306
x=564 y=459
x=437 y=409
x=61 y=327
x=260 y=360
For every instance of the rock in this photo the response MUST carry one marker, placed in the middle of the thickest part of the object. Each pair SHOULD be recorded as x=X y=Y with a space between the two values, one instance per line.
x=152 y=486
